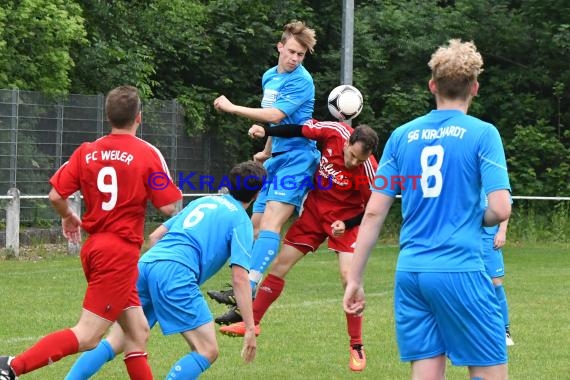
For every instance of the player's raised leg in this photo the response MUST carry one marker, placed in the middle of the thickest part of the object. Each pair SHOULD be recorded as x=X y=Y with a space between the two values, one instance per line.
x=357 y=358
x=266 y=246
x=91 y=361
x=269 y=290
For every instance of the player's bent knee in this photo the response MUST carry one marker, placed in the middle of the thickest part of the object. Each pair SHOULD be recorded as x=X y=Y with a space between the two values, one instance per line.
x=210 y=353
x=87 y=339
x=141 y=336
x=89 y=343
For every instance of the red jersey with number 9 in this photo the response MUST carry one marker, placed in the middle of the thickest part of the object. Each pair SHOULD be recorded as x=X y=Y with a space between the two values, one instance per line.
x=117 y=175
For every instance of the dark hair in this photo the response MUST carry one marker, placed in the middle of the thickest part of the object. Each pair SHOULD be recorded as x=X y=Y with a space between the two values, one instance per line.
x=122 y=106
x=366 y=136
x=246 y=180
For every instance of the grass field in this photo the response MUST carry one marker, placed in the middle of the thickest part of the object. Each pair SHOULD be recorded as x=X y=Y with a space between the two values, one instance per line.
x=303 y=334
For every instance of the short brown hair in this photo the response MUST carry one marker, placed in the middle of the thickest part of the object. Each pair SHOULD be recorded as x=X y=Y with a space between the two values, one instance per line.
x=366 y=136
x=122 y=106
x=302 y=34
x=246 y=179
x=455 y=68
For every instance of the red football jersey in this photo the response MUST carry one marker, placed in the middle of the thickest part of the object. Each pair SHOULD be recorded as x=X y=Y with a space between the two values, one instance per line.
x=114 y=175
x=342 y=193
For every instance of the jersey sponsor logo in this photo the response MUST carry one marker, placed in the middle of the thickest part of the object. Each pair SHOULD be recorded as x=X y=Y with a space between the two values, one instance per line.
x=269 y=97
x=327 y=167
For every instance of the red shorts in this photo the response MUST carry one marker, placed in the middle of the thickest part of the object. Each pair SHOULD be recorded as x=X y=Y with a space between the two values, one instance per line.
x=310 y=230
x=110 y=267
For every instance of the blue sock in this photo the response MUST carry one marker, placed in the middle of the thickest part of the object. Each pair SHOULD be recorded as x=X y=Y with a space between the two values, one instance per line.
x=502 y=298
x=91 y=361
x=188 y=367
x=264 y=252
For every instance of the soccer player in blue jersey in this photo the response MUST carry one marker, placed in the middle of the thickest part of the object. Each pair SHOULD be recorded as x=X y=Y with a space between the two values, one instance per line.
x=493 y=239
x=288 y=98
x=445 y=304
x=190 y=248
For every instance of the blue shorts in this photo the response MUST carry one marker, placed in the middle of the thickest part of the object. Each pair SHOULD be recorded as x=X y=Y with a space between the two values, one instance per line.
x=289 y=178
x=452 y=313
x=170 y=295
x=493 y=259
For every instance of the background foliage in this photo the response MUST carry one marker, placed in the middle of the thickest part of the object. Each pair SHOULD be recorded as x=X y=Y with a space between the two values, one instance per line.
x=194 y=50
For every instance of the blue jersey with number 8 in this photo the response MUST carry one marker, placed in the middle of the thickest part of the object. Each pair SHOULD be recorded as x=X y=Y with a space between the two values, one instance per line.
x=440 y=163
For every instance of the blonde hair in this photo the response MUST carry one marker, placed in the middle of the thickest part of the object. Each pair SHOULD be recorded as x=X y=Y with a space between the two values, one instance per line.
x=302 y=34
x=455 y=68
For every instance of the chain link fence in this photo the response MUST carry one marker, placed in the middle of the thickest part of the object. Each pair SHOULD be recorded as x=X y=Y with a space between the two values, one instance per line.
x=39 y=133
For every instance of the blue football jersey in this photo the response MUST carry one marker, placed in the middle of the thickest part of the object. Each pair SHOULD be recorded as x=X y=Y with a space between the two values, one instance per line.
x=439 y=163
x=207 y=232
x=293 y=93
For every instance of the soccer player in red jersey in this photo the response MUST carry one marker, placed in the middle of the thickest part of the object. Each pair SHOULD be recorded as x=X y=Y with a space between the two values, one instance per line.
x=114 y=175
x=333 y=209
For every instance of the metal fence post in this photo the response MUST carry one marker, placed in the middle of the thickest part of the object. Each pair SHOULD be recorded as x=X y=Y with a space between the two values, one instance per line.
x=59 y=135
x=75 y=204
x=13 y=222
x=14 y=137
x=175 y=129
x=100 y=115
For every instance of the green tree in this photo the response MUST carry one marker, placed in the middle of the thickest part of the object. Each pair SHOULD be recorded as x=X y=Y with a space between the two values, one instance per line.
x=36 y=38
x=193 y=51
x=538 y=161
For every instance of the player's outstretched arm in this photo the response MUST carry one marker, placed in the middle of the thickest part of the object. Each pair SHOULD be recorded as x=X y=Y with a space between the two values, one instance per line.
x=266 y=115
x=372 y=222
x=242 y=292
x=282 y=130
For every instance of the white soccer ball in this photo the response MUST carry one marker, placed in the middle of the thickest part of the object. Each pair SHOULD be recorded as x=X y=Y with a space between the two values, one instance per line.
x=345 y=102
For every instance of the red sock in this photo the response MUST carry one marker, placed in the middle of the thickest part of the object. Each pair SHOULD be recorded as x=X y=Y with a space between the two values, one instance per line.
x=269 y=290
x=137 y=366
x=47 y=350
x=354 y=327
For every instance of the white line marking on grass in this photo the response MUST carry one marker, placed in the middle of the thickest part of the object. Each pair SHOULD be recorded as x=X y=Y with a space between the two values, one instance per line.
x=35 y=272
x=19 y=339
x=323 y=301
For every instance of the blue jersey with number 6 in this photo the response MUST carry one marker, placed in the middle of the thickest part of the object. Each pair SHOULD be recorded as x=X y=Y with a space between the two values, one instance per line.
x=439 y=163
x=204 y=235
